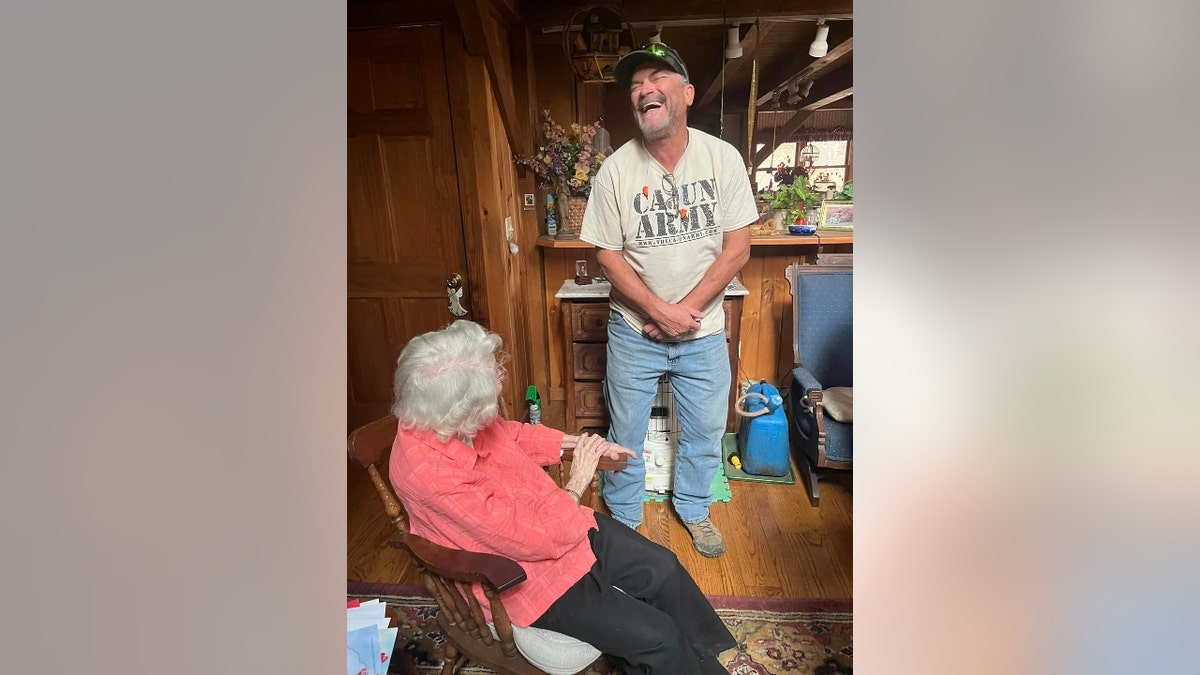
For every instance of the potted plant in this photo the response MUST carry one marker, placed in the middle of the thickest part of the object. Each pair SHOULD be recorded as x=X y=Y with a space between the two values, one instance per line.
x=795 y=198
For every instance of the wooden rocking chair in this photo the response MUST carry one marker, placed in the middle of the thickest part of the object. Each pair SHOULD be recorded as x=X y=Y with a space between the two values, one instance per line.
x=450 y=575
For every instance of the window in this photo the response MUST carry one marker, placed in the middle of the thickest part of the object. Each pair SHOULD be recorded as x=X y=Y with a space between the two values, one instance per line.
x=764 y=173
x=828 y=167
x=830 y=164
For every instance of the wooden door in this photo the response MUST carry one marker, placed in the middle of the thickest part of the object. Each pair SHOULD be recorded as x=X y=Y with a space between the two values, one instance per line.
x=405 y=235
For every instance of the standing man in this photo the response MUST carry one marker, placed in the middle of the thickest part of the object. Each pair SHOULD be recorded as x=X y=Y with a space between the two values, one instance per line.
x=668 y=214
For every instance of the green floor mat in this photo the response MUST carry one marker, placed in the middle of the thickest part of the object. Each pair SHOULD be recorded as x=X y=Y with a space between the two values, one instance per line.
x=729 y=447
x=720 y=488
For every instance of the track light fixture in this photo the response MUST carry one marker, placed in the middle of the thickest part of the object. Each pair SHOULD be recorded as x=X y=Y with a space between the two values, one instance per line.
x=657 y=37
x=820 y=46
x=805 y=88
x=733 y=46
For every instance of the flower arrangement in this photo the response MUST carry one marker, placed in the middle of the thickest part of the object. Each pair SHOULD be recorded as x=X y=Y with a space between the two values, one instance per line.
x=565 y=162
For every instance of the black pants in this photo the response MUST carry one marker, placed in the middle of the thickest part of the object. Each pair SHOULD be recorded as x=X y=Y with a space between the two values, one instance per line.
x=661 y=623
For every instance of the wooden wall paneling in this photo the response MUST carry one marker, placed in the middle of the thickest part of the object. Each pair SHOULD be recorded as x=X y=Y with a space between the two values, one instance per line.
x=779 y=342
x=532 y=297
x=368 y=354
x=391 y=13
x=469 y=148
x=554 y=85
x=752 y=318
x=484 y=39
x=554 y=271
x=618 y=116
x=555 y=81
x=768 y=339
x=589 y=102
x=472 y=106
x=517 y=341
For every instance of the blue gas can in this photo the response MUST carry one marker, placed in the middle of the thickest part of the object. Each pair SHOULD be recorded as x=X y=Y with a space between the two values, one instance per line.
x=763 y=436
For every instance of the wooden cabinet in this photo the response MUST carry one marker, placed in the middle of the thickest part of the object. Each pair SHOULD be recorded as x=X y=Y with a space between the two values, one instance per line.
x=585 y=311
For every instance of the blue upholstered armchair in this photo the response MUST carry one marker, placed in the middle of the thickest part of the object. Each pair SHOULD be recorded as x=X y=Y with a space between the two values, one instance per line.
x=820 y=406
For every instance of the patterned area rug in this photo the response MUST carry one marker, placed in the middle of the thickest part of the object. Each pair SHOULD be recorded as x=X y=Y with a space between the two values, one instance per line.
x=775 y=636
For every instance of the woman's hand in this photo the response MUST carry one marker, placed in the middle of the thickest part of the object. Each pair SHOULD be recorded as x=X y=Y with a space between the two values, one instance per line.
x=614 y=451
x=588 y=451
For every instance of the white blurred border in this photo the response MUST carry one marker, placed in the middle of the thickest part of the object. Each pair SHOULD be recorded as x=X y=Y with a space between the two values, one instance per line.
x=1026 y=310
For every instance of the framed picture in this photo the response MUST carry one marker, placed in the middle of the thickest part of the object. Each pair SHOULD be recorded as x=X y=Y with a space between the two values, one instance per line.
x=529 y=204
x=837 y=215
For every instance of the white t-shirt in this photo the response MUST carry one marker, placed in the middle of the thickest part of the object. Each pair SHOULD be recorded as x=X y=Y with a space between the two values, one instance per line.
x=670 y=245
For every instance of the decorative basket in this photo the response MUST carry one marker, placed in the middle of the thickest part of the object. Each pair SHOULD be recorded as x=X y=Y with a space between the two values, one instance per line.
x=604 y=35
x=570 y=216
x=575 y=208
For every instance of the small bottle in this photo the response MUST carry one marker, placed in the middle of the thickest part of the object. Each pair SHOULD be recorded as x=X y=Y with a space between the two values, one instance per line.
x=551 y=216
x=535 y=407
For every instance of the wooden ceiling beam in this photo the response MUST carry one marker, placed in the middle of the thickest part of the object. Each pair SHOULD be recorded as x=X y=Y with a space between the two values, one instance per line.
x=548 y=13
x=831 y=82
x=812 y=71
x=832 y=98
x=508 y=11
x=781 y=133
x=830 y=89
x=732 y=67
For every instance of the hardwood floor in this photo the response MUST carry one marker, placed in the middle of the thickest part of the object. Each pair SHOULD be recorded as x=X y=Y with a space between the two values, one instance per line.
x=776 y=544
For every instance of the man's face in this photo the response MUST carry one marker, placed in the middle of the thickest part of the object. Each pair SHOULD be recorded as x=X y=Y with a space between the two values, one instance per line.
x=660 y=101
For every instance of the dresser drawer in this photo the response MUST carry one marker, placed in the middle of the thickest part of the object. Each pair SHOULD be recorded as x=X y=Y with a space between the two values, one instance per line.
x=589 y=360
x=589 y=400
x=589 y=321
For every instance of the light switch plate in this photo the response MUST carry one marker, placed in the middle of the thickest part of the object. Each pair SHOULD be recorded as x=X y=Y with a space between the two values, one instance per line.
x=508 y=228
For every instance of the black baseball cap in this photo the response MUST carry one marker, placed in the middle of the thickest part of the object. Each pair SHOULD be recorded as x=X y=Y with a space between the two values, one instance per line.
x=655 y=52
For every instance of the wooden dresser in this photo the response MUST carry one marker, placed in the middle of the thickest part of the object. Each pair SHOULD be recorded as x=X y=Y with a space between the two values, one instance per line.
x=585 y=330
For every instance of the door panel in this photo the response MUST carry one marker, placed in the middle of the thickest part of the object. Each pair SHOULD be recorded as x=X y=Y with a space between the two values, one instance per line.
x=405 y=230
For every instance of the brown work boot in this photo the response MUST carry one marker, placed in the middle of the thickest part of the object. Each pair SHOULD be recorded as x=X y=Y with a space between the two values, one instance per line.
x=706 y=538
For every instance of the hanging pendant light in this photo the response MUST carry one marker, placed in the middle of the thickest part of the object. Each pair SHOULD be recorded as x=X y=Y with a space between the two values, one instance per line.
x=819 y=46
x=733 y=46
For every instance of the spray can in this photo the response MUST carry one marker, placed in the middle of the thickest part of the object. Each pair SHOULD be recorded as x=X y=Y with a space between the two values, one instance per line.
x=551 y=216
x=535 y=405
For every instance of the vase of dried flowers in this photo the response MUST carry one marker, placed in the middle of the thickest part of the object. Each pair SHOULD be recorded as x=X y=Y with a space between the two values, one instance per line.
x=564 y=165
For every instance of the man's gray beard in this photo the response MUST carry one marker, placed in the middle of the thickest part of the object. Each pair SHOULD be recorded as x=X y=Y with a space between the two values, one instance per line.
x=659 y=132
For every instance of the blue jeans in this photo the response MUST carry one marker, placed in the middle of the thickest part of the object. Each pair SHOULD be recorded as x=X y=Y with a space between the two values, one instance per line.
x=698 y=371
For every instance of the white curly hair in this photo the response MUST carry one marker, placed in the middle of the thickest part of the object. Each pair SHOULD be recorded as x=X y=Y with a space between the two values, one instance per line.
x=446 y=381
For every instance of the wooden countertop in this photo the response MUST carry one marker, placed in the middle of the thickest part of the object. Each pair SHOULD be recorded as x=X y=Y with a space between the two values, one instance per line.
x=820 y=237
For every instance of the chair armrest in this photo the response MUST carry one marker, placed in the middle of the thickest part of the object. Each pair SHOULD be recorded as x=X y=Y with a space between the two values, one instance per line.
x=498 y=571
x=805 y=379
x=605 y=464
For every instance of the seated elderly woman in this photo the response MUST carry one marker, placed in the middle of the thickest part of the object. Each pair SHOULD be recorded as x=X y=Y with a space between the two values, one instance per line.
x=474 y=481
